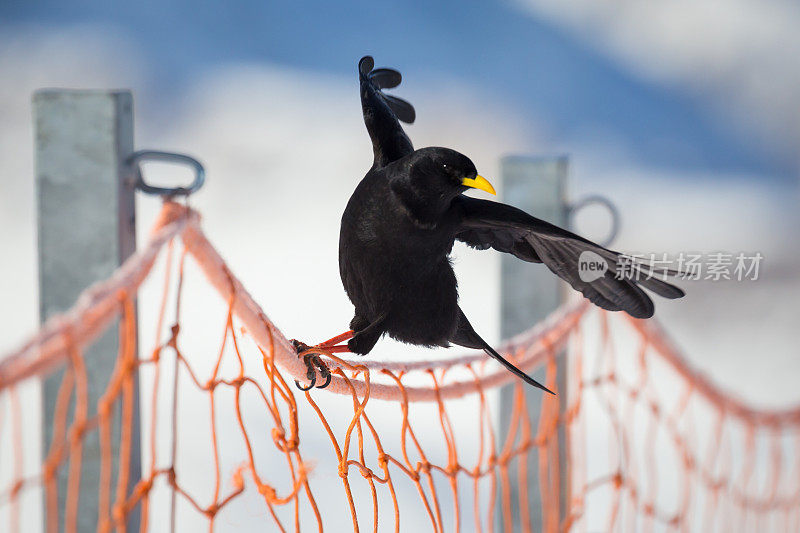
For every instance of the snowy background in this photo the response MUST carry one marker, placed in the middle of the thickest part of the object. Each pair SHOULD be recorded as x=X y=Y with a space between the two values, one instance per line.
x=685 y=115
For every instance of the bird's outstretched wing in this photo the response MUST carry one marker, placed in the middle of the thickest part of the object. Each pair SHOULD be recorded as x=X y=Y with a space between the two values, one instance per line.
x=507 y=229
x=383 y=112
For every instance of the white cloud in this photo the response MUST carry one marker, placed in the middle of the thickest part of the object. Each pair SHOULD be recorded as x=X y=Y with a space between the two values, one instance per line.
x=742 y=54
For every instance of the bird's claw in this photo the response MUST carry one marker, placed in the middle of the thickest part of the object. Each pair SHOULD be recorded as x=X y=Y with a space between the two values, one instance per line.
x=313 y=364
x=323 y=370
x=299 y=346
x=310 y=386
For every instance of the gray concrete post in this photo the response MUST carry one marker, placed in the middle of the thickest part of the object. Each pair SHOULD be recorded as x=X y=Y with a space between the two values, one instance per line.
x=86 y=229
x=528 y=294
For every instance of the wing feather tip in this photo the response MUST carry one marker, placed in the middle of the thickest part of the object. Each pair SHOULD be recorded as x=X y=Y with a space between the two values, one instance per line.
x=366 y=64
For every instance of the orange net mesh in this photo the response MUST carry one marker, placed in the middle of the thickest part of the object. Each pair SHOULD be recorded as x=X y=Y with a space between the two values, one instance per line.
x=640 y=442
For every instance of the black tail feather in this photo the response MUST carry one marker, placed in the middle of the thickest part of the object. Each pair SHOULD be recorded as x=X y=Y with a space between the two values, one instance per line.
x=466 y=336
x=514 y=370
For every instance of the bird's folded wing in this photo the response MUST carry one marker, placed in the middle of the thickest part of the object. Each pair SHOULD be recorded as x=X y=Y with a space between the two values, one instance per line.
x=507 y=229
x=383 y=112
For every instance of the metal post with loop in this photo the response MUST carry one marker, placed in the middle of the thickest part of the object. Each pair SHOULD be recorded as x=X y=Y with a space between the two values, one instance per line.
x=136 y=160
x=528 y=295
x=86 y=177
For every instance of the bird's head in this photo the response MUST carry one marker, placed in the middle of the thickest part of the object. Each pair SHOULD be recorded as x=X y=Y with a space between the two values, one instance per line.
x=446 y=172
x=433 y=177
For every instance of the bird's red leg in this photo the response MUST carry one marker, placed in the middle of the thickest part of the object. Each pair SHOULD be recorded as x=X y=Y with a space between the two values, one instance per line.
x=346 y=336
x=336 y=349
x=314 y=363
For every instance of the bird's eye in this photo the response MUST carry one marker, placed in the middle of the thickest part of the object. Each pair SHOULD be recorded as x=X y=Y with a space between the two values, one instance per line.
x=444 y=166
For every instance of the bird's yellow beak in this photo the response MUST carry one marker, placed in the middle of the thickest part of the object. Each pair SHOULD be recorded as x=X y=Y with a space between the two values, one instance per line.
x=479 y=182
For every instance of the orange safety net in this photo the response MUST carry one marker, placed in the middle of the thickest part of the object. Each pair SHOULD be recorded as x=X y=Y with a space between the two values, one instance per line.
x=637 y=442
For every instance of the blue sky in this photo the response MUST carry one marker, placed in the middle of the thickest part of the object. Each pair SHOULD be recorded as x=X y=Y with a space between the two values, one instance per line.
x=548 y=74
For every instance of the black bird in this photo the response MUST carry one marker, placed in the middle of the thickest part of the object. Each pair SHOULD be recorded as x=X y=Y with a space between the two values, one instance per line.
x=400 y=224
